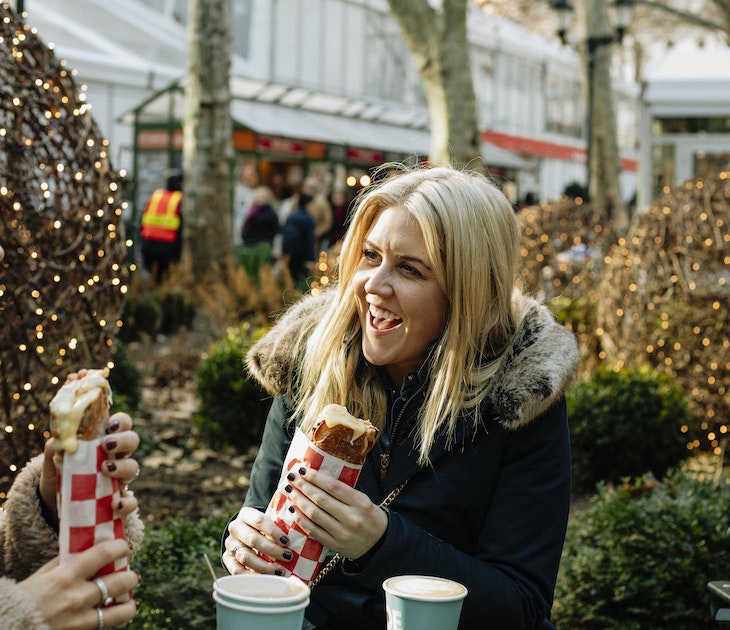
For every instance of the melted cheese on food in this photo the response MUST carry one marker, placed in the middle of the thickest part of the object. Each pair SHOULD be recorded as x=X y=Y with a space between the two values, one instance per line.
x=337 y=414
x=70 y=403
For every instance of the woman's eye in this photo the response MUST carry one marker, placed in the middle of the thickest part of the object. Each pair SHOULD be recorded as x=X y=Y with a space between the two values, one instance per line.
x=411 y=270
x=369 y=254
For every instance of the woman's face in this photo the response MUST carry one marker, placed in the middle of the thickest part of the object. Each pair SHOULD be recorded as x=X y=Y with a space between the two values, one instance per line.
x=402 y=308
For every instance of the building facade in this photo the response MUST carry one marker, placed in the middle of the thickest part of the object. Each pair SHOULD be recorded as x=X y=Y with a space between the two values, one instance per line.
x=685 y=117
x=329 y=87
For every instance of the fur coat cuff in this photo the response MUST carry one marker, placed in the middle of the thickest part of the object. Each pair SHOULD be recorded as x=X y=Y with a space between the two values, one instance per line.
x=30 y=541
x=16 y=610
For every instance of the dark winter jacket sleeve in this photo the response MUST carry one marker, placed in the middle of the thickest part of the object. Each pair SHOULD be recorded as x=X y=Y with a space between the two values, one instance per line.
x=275 y=442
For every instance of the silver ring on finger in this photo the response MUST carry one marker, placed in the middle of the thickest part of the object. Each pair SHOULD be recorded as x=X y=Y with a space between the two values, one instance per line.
x=234 y=553
x=100 y=613
x=105 y=599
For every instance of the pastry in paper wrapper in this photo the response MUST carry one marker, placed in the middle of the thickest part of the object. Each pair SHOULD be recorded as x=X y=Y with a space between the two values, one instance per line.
x=335 y=432
x=79 y=415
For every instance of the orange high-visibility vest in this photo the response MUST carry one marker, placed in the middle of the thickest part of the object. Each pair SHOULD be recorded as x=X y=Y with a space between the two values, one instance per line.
x=161 y=217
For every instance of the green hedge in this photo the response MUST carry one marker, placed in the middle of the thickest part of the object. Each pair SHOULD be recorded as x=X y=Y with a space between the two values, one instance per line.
x=641 y=557
x=233 y=408
x=626 y=423
x=177 y=587
x=125 y=379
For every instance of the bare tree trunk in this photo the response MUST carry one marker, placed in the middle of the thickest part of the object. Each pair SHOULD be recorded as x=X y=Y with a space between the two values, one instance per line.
x=604 y=161
x=207 y=132
x=438 y=41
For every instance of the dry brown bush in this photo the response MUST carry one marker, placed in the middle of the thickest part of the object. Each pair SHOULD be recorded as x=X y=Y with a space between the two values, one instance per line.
x=665 y=297
x=658 y=296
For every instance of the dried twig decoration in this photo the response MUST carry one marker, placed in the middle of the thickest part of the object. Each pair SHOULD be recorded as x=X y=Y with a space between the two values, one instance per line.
x=63 y=278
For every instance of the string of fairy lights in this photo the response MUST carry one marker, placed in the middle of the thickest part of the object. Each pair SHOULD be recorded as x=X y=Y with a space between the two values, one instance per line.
x=658 y=296
x=64 y=277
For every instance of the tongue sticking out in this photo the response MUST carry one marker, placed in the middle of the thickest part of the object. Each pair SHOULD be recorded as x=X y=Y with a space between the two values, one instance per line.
x=381 y=323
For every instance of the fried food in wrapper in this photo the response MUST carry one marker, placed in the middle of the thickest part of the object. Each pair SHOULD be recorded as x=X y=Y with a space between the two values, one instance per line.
x=336 y=432
x=85 y=496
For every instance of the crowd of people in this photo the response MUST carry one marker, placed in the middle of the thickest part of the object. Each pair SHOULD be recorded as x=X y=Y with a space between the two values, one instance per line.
x=295 y=228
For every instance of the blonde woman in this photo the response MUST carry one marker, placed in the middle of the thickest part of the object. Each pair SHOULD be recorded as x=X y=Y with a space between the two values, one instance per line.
x=426 y=336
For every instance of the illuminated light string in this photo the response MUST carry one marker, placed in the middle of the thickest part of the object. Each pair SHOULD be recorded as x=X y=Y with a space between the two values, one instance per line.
x=658 y=295
x=65 y=275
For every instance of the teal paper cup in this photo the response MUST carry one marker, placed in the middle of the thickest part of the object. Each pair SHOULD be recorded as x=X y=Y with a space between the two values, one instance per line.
x=421 y=602
x=260 y=602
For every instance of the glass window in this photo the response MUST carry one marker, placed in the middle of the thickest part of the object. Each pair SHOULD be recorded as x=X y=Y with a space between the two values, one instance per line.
x=718 y=124
x=564 y=105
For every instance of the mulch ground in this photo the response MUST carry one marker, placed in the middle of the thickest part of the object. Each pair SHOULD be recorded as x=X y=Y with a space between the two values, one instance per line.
x=180 y=476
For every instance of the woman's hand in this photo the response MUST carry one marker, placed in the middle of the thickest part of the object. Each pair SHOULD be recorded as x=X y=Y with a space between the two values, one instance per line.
x=67 y=595
x=343 y=519
x=121 y=441
x=250 y=531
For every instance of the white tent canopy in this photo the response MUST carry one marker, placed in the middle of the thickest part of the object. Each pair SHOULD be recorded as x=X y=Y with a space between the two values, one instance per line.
x=689 y=80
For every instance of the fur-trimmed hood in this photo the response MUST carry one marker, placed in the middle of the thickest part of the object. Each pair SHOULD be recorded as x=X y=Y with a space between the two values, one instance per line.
x=537 y=368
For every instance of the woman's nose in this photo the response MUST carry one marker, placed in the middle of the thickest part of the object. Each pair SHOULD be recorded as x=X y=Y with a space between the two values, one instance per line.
x=379 y=281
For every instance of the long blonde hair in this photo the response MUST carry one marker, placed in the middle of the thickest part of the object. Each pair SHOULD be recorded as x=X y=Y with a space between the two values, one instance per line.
x=471 y=236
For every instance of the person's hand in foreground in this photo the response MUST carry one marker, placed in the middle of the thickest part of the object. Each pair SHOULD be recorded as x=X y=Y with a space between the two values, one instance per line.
x=68 y=597
x=121 y=441
x=341 y=518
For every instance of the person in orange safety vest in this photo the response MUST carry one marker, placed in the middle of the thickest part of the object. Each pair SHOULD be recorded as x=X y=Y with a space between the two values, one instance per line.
x=161 y=228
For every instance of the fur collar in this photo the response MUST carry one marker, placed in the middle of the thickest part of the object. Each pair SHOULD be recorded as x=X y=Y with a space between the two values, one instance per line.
x=538 y=366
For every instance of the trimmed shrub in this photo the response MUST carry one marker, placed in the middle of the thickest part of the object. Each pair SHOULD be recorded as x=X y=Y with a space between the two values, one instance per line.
x=641 y=557
x=626 y=423
x=141 y=316
x=125 y=379
x=253 y=258
x=177 y=310
x=176 y=589
x=233 y=408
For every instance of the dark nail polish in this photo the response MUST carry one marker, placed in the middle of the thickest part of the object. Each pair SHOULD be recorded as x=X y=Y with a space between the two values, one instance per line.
x=113 y=426
x=287 y=555
x=110 y=444
x=120 y=505
x=279 y=572
x=111 y=466
x=283 y=540
x=291 y=477
x=291 y=509
x=302 y=471
x=287 y=488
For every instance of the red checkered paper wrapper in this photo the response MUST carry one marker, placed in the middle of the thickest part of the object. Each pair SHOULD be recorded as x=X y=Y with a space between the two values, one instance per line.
x=87 y=518
x=308 y=554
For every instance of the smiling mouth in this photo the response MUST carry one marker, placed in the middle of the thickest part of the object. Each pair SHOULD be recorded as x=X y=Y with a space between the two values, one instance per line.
x=381 y=319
